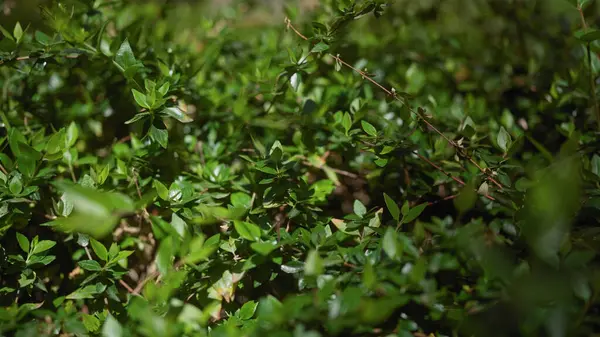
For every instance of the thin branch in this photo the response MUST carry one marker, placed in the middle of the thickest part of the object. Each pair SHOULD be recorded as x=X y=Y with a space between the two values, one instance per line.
x=448 y=174
x=393 y=94
x=591 y=72
x=152 y=276
x=126 y=286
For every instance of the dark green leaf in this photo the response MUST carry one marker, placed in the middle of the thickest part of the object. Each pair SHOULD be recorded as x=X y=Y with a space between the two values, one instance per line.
x=99 y=249
x=160 y=136
x=414 y=212
x=392 y=207
x=588 y=34
x=177 y=113
x=90 y=265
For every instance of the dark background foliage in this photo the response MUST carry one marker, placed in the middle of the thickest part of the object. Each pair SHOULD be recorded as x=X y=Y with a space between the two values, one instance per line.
x=302 y=168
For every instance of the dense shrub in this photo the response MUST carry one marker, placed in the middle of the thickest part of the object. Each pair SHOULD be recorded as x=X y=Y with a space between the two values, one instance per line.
x=337 y=168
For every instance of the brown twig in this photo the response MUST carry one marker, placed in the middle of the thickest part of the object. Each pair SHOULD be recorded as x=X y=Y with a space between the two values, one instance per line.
x=393 y=94
x=448 y=174
x=126 y=286
x=152 y=276
x=591 y=72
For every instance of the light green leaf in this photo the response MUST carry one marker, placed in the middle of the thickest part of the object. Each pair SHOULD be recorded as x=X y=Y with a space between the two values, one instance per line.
x=91 y=322
x=313 y=266
x=71 y=135
x=369 y=128
x=390 y=243
x=99 y=249
x=359 y=208
x=247 y=310
x=246 y=230
x=347 y=122
x=43 y=246
x=319 y=47
x=18 y=32
x=263 y=248
x=15 y=186
x=95 y=212
x=165 y=254
x=112 y=327
x=23 y=242
x=177 y=113
x=140 y=99
x=503 y=139
x=161 y=189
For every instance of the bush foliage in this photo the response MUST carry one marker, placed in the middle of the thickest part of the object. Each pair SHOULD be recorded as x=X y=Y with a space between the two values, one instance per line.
x=356 y=168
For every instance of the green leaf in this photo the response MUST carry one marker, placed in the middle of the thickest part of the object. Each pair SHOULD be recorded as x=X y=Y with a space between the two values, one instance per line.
x=164 y=89
x=43 y=246
x=165 y=254
x=42 y=38
x=126 y=60
x=405 y=208
x=263 y=248
x=178 y=225
x=6 y=33
x=368 y=275
x=140 y=99
x=359 y=208
x=23 y=242
x=240 y=199
x=161 y=189
x=466 y=199
x=177 y=113
x=86 y=292
x=414 y=212
x=15 y=186
x=588 y=35
x=313 y=266
x=55 y=143
x=159 y=135
x=292 y=267
x=18 y=32
x=91 y=322
x=90 y=265
x=347 y=122
x=503 y=139
x=138 y=117
x=246 y=230
x=247 y=310
x=71 y=135
x=111 y=327
x=95 y=212
x=392 y=207
x=369 y=128
x=99 y=249
x=390 y=243
x=319 y=47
